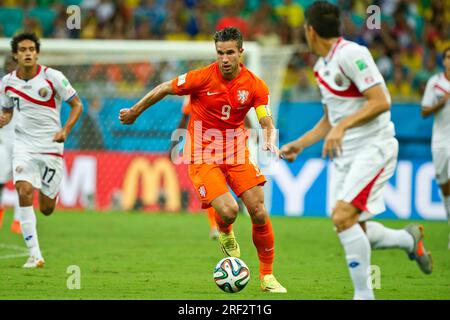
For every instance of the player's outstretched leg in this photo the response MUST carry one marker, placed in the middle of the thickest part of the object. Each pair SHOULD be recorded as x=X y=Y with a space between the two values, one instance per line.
x=356 y=247
x=409 y=239
x=213 y=232
x=419 y=253
x=28 y=224
x=2 y=209
x=227 y=210
x=263 y=238
x=445 y=193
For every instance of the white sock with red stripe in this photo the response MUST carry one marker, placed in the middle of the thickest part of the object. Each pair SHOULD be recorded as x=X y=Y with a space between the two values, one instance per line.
x=357 y=253
x=28 y=226
x=381 y=237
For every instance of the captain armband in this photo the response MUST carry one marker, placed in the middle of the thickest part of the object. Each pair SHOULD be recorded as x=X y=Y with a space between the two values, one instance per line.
x=263 y=111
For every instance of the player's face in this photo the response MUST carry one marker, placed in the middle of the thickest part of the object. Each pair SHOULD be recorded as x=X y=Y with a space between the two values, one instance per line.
x=27 y=54
x=309 y=35
x=446 y=61
x=228 y=57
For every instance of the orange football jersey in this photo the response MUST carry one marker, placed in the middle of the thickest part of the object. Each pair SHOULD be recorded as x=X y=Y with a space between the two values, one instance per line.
x=218 y=104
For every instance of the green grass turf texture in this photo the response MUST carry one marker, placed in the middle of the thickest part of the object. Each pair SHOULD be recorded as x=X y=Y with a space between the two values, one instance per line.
x=170 y=257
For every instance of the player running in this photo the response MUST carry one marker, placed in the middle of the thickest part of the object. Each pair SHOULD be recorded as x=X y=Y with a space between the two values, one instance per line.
x=221 y=95
x=35 y=94
x=6 y=149
x=359 y=139
x=436 y=102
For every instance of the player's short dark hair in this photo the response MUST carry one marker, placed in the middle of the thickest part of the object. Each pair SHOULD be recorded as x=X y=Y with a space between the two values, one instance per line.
x=445 y=52
x=25 y=36
x=229 y=34
x=325 y=18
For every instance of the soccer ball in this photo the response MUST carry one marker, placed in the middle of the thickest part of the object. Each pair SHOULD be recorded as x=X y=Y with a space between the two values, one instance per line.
x=231 y=274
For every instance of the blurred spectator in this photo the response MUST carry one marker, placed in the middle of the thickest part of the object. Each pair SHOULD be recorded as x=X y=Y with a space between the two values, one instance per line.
x=430 y=68
x=232 y=18
x=411 y=57
x=293 y=12
x=405 y=45
x=153 y=13
x=384 y=62
x=398 y=87
x=89 y=27
x=304 y=89
x=267 y=35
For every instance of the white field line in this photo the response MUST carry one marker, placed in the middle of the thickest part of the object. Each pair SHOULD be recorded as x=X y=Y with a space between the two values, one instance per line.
x=22 y=252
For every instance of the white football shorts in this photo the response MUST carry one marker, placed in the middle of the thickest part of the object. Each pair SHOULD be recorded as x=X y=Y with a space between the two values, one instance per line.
x=5 y=162
x=441 y=161
x=360 y=178
x=43 y=171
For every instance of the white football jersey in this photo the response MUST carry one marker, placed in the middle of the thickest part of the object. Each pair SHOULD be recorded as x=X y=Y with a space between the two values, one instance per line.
x=7 y=132
x=437 y=87
x=342 y=76
x=37 y=105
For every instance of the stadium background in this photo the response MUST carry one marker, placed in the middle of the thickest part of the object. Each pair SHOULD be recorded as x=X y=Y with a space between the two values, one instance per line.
x=113 y=167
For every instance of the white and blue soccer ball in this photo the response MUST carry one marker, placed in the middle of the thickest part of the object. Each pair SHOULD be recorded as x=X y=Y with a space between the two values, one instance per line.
x=231 y=274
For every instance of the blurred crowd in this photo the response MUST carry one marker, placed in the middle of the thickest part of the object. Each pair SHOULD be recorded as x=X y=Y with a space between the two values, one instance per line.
x=407 y=47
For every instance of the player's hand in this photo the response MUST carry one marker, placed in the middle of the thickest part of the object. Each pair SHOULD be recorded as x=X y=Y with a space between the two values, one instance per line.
x=60 y=136
x=268 y=146
x=332 y=146
x=445 y=98
x=127 y=116
x=290 y=151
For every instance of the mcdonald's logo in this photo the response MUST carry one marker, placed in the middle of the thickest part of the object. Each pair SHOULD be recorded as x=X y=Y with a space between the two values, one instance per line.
x=151 y=175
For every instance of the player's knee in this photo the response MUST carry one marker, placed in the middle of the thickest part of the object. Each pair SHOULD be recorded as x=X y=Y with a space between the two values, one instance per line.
x=344 y=217
x=258 y=213
x=228 y=212
x=46 y=209
x=25 y=192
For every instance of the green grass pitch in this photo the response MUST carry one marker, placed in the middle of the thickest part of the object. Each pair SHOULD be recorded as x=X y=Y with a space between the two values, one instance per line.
x=169 y=256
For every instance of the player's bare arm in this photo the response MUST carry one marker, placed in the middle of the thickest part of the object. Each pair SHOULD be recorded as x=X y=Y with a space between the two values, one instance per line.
x=376 y=104
x=129 y=116
x=429 y=110
x=5 y=117
x=291 y=150
x=77 y=108
x=269 y=134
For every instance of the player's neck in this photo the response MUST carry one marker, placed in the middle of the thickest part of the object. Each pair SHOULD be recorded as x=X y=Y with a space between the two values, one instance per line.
x=233 y=75
x=324 y=46
x=447 y=74
x=27 y=73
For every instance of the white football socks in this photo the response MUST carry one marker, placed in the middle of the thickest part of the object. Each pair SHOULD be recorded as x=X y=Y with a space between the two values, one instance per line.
x=357 y=253
x=447 y=209
x=16 y=211
x=28 y=225
x=381 y=237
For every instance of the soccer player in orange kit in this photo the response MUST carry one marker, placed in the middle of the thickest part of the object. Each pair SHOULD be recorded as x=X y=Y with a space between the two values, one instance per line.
x=221 y=95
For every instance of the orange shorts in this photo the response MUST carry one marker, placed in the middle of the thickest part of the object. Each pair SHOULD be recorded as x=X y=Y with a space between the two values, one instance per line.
x=210 y=180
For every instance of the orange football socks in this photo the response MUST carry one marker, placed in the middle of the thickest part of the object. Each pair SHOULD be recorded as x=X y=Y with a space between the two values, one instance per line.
x=263 y=239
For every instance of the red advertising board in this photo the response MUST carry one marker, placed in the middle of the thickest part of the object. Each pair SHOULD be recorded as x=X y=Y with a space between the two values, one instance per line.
x=123 y=181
